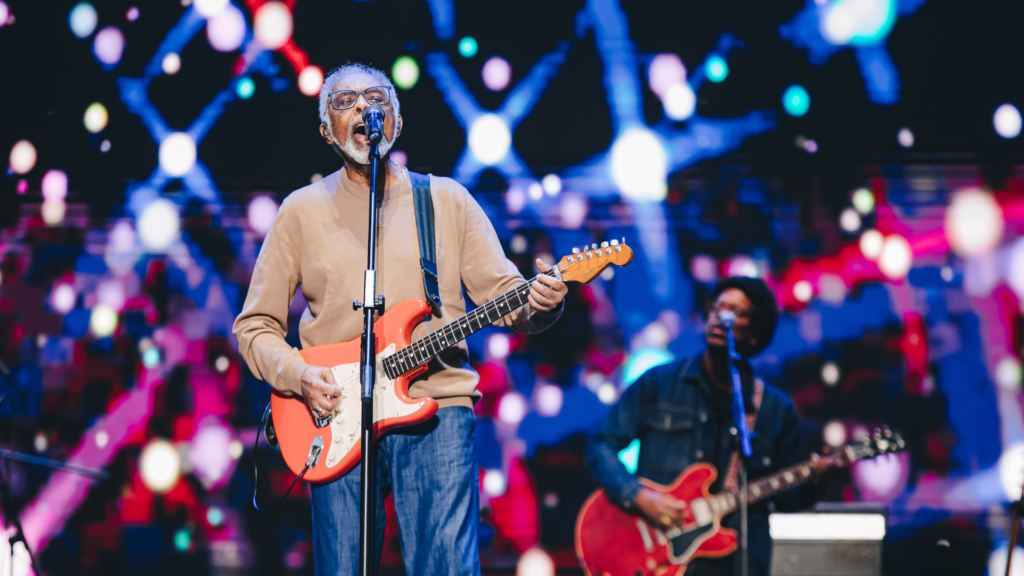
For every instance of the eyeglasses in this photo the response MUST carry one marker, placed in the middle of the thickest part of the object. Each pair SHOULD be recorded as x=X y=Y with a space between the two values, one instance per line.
x=740 y=314
x=374 y=96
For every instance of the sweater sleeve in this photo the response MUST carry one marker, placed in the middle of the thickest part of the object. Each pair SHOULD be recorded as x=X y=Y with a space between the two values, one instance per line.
x=263 y=324
x=487 y=273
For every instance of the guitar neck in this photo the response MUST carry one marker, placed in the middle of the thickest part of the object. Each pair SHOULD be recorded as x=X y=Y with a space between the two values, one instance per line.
x=422 y=350
x=764 y=488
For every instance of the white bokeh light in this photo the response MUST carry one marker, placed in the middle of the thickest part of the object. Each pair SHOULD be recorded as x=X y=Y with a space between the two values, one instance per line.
x=159 y=225
x=222 y=364
x=535 y=191
x=1007 y=121
x=122 y=238
x=640 y=165
x=55 y=186
x=177 y=154
x=573 y=211
x=849 y=220
x=535 y=562
x=63 y=298
x=974 y=223
x=741 y=265
x=273 y=25
x=499 y=345
x=896 y=258
x=552 y=184
x=905 y=137
x=515 y=200
x=871 y=242
x=1008 y=373
x=704 y=268
x=863 y=200
x=226 y=31
x=53 y=212
x=679 y=101
x=1014 y=268
x=607 y=393
x=830 y=373
x=83 y=19
x=997 y=559
x=548 y=398
x=159 y=466
x=489 y=139
x=103 y=321
x=111 y=293
x=834 y=433
x=496 y=73
x=261 y=214
x=882 y=478
x=847 y=20
x=23 y=157
x=210 y=8
x=1011 y=471
x=664 y=71
x=803 y=291
x=210 y=453
x=494 y=483
x=311 y=79
x=171 y=64
x=512 y=408
x=95 y=118
x=108 y=46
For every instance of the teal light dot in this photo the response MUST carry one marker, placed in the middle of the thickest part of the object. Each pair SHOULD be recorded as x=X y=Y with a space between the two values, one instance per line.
x=467 y=47
x=643 y=360
x=214 y=516
x=245 y=88
x=796 y=100
x=182 y=540
x=716 y=69
x=630 y=456
x=151 y=357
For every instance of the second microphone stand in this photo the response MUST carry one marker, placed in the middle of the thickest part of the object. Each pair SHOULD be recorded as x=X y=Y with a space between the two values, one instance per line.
x=743 y=435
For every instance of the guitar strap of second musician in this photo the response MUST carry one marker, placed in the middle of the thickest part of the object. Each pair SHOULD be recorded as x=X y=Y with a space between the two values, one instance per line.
x=732 y=475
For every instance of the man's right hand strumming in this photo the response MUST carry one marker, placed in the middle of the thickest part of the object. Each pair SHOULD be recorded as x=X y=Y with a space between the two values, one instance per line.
x=660 y=509
x=319 y=391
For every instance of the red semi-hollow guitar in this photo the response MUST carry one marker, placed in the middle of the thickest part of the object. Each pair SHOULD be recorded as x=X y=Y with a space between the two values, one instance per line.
x=398 y=362
x=612 y=542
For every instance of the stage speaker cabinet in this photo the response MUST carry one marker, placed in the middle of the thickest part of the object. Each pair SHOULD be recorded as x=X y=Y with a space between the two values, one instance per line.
x=834 y=540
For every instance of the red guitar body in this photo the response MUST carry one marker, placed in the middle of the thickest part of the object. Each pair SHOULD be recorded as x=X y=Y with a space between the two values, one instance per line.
x=295 y=427
x=611 y=542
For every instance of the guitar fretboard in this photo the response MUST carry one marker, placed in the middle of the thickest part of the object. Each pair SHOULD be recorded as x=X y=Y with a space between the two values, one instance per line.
x=422 y=350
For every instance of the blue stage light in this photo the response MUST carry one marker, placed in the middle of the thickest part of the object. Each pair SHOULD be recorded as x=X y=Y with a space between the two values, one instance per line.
x=796 y=100
x=717 y=69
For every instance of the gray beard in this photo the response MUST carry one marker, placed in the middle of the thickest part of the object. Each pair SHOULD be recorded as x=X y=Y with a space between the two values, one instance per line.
x=361 y=155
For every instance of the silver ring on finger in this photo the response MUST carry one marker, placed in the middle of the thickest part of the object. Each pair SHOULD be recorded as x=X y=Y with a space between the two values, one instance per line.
x=318 y=410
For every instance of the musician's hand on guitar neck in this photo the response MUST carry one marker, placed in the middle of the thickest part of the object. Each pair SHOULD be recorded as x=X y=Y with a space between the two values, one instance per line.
x=546 y=292
x=821 y=464
x=660 y=509
x=319 y=390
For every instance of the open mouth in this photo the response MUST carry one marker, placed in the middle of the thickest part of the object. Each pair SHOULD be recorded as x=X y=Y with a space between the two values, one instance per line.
x=361 y=129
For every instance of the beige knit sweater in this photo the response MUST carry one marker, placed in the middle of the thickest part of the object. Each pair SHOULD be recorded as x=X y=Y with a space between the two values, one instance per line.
x=318 y=241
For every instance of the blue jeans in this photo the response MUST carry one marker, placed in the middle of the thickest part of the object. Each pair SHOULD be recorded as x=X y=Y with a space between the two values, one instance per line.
x=431 y=469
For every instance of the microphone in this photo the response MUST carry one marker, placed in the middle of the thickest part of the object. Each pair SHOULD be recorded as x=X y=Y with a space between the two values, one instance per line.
x=727 y=317
x=373 y=117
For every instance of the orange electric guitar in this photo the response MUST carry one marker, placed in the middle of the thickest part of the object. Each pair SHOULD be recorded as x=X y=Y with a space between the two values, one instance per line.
x=612 y=542
x=334 y=444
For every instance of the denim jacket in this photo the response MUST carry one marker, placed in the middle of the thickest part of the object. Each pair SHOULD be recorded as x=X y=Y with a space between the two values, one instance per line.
x=672 y=411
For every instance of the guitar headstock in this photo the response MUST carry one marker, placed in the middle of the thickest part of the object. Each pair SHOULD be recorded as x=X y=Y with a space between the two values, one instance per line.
x=584 y=265
x=882 y=441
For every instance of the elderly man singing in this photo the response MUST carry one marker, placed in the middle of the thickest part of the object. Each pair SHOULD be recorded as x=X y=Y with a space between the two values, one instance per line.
x=319 y=241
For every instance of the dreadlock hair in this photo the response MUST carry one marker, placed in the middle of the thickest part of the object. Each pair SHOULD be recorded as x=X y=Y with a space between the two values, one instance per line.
x=765 y=316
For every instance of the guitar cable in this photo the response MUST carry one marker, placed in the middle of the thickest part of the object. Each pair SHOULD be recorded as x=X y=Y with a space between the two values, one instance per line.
x=314 y=455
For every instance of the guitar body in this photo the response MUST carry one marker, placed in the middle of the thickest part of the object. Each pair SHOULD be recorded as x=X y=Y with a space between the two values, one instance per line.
x=392 y=406
x=612 y=542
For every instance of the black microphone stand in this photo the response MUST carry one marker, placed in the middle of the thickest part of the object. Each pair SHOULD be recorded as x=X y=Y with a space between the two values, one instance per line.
x=368 y=367
x=742 y=437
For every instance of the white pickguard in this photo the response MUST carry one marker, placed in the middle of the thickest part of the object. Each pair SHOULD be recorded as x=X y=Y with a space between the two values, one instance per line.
x=346 y=425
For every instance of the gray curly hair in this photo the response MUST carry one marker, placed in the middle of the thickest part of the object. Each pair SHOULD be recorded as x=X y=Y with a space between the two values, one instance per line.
x=351 y=68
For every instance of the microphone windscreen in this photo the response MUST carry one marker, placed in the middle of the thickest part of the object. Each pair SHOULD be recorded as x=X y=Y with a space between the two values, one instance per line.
x=726 y=317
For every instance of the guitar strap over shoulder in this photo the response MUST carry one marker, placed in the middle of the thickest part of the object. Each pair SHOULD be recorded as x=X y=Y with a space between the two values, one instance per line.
x=423 y=203
x=732 y=476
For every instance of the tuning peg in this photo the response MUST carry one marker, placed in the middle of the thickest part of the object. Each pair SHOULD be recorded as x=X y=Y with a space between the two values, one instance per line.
x=575 y=250
x=593 y=246
x=615 y=242
x=604 y=244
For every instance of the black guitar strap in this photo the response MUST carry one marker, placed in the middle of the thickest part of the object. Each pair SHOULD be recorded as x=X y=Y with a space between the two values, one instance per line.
x=423 y=202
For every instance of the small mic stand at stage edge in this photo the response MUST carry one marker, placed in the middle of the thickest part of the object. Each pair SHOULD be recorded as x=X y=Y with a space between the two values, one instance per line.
x=368 y=372
x=7 y=503
x=1018 y=508
x=742 y=437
